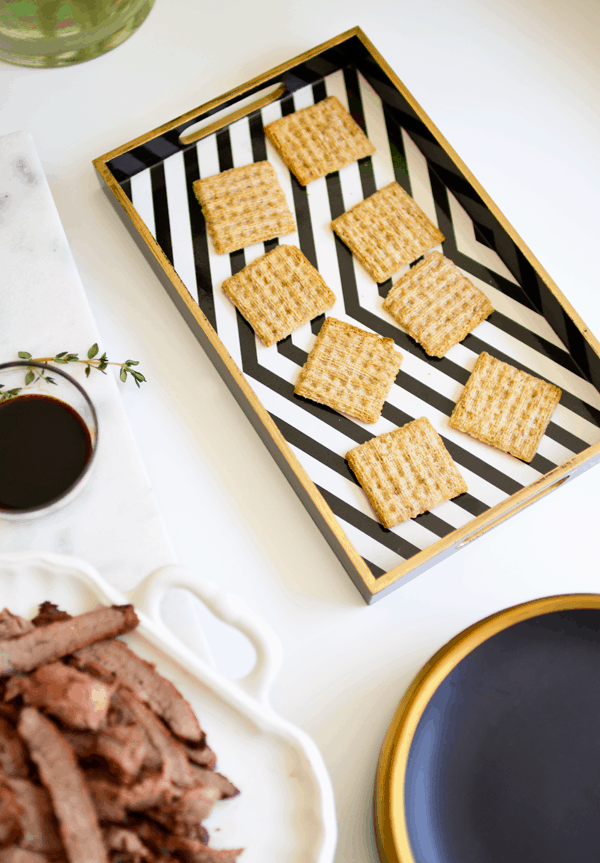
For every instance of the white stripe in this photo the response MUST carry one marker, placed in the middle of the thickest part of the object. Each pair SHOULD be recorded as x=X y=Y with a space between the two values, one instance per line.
x=179 y=221
x=419 y=178
x=141 y=198
x=383 y=167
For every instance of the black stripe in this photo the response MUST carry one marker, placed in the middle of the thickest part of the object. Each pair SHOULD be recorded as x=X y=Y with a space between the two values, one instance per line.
x=319 y=91
x=206 y=296
x=355 y=105
x=126 y=186
x=470 y=504
x=376 y=571
x=288 y=349
x=161 y=210
x=369 y=526
x=224 y=150
x=257 y=138
x=397 y=152
x=566 y=438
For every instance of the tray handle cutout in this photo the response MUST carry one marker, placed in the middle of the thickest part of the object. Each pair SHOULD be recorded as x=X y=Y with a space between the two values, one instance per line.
x=244 y=107
x=227 y=607
x=512 y=512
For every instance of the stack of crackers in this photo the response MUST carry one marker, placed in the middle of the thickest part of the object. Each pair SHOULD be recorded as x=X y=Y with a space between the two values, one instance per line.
x=408 y=471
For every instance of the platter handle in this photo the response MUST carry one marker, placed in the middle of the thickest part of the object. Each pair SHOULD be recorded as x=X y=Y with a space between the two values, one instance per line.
x=227 y=607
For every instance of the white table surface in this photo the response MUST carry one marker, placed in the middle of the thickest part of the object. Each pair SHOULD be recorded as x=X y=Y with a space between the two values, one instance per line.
x=514 y=85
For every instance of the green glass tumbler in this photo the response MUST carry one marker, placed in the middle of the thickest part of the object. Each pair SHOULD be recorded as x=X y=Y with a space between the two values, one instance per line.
x=62 y=32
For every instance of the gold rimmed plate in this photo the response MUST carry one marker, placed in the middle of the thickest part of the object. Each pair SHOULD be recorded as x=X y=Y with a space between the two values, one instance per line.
x=494 y=753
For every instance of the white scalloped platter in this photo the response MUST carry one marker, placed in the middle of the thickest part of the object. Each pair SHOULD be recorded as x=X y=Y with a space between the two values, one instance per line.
x=285 y=811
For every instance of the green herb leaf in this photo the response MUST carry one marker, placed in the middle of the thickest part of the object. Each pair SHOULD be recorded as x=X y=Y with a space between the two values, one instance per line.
x=93 y=351
x=61 y=354
x=29 y=377
x=132 y=362
x=24 y=355
x=123 y=375
x=87 y=371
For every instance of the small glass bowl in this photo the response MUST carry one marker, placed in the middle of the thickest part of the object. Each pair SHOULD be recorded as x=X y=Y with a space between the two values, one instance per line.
x=32 y=450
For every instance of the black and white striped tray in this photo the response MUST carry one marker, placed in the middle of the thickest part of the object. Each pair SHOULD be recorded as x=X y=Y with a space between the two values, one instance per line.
x=529 y=328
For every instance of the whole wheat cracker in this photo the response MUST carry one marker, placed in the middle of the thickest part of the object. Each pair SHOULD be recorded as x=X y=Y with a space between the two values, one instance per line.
x=437 y=304
x=319 y=139
x=406 y=472
x=386 y=231
x=243 y=206
x=350 y=370
x=278 y=293
x=505 y=407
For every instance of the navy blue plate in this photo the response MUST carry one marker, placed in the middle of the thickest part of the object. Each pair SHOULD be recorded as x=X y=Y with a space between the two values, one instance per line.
x=504 y=763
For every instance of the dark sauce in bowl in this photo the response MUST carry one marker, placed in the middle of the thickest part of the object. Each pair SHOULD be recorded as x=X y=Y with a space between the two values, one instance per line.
x=44 y=448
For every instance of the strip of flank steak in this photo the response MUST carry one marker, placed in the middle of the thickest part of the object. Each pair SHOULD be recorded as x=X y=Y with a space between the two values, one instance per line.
x=65 y=783
x=49 y=643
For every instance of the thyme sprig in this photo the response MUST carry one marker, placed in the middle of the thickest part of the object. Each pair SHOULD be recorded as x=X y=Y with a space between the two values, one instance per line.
x=93 y=361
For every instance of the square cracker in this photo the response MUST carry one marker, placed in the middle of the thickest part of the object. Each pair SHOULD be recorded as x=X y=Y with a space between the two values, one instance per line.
x=406 y=472
x=318 y=140
x=437 y=304
x=244 y=206
x=505 y=407
x=278 y=293
x=350 y=370
x=386 y=231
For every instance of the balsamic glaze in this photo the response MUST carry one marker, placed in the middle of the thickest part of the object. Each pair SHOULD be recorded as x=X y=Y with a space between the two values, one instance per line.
x=44 y=448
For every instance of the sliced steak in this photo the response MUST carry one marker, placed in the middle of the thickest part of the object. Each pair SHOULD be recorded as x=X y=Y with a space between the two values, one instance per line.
x=161 y=842
x=215 y=855
x=148 y=685
x=11 y=625
x=202 y=755
x=126 y=841
x=78 y=700
x=10 y=816
x=171 y=750
x=65 y=784
x=105 y=796
x=183 y=816
x=124 y=748
x=49 y=613
x=40 y=828
x=211 y=779
x=51 y=642
x=21 y=855
x=13 y=755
